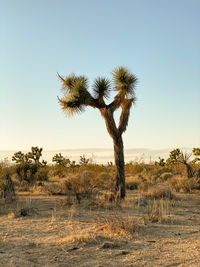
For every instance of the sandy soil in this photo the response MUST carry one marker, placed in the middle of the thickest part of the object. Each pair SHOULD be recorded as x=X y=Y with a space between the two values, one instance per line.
x=53 y=234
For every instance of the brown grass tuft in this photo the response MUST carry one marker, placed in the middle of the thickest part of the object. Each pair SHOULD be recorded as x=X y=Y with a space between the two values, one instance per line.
x=182 y=184
x=117 y=228
x=83 y=237
x=159 y=191
x=158 y=211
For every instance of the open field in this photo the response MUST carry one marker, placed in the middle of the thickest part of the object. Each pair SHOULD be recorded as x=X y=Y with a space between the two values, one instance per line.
x=55 y=233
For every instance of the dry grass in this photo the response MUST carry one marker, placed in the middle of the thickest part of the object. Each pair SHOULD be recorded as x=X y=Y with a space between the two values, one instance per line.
x=108 y=228
x=182 y=184
x=132 y=182
x=144 y=186
x=117 y=227
x=81 y=238
x=158 y=211
x=51 y=189
x=158 y=191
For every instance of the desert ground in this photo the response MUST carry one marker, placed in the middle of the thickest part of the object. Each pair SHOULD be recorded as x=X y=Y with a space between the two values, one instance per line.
x=42 y=230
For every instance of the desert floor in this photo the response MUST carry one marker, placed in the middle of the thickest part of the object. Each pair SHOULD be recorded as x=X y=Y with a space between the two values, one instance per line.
x=54 y=233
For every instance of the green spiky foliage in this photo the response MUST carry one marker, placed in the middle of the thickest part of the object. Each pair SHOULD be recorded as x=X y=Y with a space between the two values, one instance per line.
x=60 y=160
x=102 y=88
x=124 y=81
x=83 y=160
x=196 y=153
x=161 y=162
x=35 y=155
x=28 y=164
x=177 y=156
x=174 y=156
x=23 y=164
x=7 y=188
x=77 y=96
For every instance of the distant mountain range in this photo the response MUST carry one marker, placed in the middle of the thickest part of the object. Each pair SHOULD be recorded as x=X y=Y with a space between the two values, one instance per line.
x=98 y=155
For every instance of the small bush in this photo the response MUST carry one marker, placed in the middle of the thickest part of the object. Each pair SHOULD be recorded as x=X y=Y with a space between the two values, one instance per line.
x=165 y=176
x=7 y=189
x=83 y=237
x=132 y=182
x=143 y=186
x=158 y=192
x=158 y=211
x=105 y=180
x=134 y=168
x=42 y=174
x=117 y=228
x=52 y=189
x=183 y=184
x=23 y=186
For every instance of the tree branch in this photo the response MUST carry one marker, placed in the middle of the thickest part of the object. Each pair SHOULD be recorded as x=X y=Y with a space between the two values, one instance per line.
x=110 y=122
x=125 y=106
x=115 y=104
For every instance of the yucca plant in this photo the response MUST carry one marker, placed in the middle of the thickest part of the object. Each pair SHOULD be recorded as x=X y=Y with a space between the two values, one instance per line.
x=177 y=156
x=76 y=97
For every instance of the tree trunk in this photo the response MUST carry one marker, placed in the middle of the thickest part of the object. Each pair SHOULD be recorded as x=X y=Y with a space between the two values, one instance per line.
x=189 y=170
x=119 y=162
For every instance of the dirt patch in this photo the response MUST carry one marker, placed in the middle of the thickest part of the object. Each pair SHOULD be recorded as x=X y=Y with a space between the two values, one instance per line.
x=57 y=235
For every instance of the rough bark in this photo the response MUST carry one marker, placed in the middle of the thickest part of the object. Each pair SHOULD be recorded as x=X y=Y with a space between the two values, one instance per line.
x=119 y=162
x=116 y=135
x=189 y=170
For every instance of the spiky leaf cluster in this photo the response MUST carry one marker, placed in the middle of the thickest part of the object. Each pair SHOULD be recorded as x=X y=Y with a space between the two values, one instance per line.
x=124 y=81
x=102 y=88
x=196 y=152
x=76 y=95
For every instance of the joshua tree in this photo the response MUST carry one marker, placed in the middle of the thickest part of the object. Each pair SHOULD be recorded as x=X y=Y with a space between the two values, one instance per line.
x=196 y=153
x=76 y=97
x=177 y=156
x=35 y=155
x=28 y=164
x=61 y=161
x=83 y=161
x=23 y=165
x=161 y=162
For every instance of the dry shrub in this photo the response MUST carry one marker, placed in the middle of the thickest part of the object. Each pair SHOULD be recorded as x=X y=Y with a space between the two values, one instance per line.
x=165 y=176
x=86 y=184
x=42 y=174
x=22 y=212
x=79 y=183
x=117 y=228
x=182 y=184
x=83 y=237
x=52 y=189
x=143 y=186
x=159 y=191
x=23 y=186
x=134 y=168
x=106 y=200
x=105 y=180
x=23 y=209
x=158 y=211
x=132 y=182
x=7 y=189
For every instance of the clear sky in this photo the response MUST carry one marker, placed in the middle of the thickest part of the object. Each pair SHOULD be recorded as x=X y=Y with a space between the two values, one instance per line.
x=157 y=40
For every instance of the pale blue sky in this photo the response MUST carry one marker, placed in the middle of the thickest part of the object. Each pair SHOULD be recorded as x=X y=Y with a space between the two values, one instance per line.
x=158 y=40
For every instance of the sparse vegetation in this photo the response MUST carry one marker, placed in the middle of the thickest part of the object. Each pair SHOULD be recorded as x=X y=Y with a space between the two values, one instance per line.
x=28 y=166
x=7 y=189
x=80 y=209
